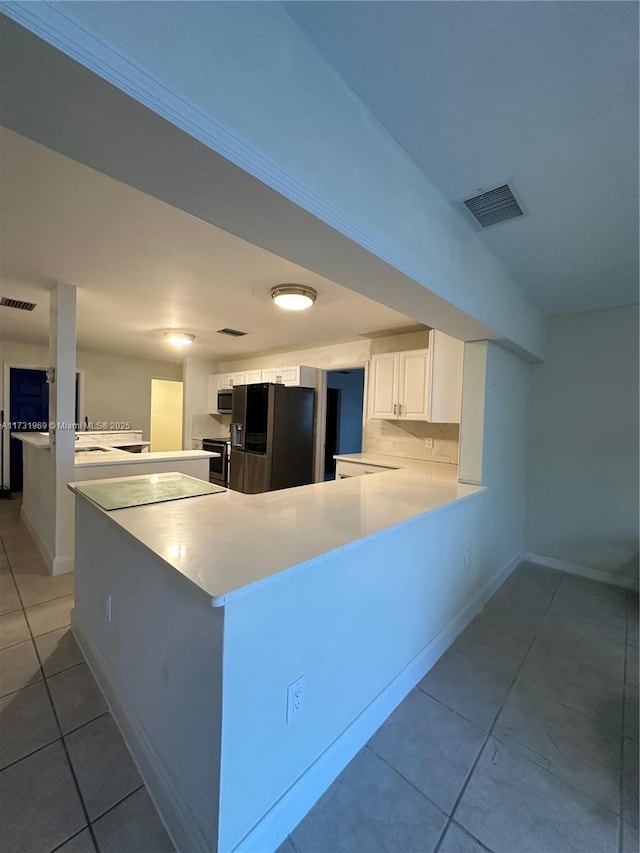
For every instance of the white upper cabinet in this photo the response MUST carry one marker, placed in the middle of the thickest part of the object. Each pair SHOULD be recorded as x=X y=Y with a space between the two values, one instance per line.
x=384 y=386
x=413 y=399
x=252 y=377
x=298 y=375
x=418 y=385
x=229 y=380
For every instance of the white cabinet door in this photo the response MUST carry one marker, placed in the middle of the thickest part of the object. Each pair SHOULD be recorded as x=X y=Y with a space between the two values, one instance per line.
x=252 y=377
x=272 y=374
x=413 y=399
x=290 y=375
x=383 y=386
x=226 y=381
x=282 y=375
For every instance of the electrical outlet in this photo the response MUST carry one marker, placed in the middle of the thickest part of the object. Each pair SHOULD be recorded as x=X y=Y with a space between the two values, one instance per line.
x=107 y=608
x=467 y=559
x=295 y=699
x=428 y=443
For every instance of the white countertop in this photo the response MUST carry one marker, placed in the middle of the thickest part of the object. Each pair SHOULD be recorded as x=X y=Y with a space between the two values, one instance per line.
x=228 y=543
x=115 y=456
x=121 y=457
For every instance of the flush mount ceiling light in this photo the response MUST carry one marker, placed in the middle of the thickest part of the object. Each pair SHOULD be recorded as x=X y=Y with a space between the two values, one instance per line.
x=179 y=339
x=293 y=297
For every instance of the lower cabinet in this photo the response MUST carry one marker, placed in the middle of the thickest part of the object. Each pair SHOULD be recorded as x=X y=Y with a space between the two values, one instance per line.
x=346 y=469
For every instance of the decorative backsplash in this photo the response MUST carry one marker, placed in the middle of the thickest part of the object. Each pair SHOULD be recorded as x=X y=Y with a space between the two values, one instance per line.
x=407 y=439
x=210 y=426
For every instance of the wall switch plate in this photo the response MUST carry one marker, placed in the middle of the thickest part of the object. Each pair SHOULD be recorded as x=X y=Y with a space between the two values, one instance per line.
x=428 y=443
x=295 y=699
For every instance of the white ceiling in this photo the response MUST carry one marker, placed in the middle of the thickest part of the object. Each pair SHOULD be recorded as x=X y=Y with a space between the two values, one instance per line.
x=542 y=95
x=142 y=266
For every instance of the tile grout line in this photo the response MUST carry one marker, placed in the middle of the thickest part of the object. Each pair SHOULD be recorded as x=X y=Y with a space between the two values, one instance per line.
x=408 y=781
x=622 y=727
x=45 y=745
x=465 y=784
x=55 y=714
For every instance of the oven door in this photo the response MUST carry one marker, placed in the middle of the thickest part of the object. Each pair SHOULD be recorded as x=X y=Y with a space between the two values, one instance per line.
x=218 y=465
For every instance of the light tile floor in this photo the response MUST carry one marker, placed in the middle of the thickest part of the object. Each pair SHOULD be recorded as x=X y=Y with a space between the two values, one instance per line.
x=523 y=737
x=67 y=781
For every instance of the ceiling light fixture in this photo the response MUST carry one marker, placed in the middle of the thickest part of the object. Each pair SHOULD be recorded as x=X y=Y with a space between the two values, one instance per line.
x=293 y=297
x=179 y=339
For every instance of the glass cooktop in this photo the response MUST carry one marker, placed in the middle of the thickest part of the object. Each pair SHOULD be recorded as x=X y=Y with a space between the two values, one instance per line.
x=125 y=492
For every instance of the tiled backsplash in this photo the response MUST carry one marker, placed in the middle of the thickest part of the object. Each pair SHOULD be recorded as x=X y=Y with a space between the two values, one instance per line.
x=210 y=426
x=407 y=439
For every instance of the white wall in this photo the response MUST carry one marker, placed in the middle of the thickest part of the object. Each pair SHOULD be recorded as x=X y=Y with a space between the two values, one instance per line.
x=195 y=378
x=504 y=457
x=582 y=496
x=115 y=388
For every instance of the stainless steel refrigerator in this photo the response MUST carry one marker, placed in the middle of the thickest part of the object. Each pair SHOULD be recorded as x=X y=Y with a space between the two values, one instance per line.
x=272 y=437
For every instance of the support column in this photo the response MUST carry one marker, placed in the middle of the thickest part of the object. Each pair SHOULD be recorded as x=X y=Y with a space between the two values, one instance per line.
x=62 y=416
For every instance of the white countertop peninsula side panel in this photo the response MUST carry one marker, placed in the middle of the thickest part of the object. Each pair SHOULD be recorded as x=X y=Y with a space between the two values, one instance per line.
x=229 y=543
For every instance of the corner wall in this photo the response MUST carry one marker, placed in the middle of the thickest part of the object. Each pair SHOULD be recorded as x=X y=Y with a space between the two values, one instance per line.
x=582 y=496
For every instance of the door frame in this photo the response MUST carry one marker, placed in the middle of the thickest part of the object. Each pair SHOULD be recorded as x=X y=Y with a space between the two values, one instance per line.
x=321 y=413
x=7 y=367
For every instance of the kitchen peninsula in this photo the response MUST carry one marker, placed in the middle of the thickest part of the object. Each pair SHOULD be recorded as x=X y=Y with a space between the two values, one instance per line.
x=218 y=604
x=94 y=459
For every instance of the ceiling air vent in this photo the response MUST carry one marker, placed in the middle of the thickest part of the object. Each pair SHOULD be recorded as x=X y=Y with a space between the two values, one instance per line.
x=235 y=333
x=494 y=206
x=17 y=303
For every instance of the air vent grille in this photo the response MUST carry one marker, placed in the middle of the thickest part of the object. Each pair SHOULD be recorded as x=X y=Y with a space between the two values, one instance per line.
x=17 y=303
x=235 y=333
x=494 y=206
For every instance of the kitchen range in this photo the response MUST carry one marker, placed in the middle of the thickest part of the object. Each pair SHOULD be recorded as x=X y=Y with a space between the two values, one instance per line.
x=219 y=464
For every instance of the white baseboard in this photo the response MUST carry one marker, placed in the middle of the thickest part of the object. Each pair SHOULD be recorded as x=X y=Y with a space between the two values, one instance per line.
x=180 y=825
x=56 y=565
x=583 y=571
x=44 y=549
x=63 y=565
x=285 y=815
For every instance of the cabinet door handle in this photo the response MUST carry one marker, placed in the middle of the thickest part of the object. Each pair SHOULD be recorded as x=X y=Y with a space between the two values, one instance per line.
x=395 y=408
x=399 y=408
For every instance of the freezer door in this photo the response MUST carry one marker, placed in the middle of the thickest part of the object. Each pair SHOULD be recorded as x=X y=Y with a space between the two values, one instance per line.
x=236 y=470
x=255 y=473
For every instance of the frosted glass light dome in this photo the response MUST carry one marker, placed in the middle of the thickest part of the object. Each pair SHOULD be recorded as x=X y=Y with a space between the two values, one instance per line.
x=293 y=297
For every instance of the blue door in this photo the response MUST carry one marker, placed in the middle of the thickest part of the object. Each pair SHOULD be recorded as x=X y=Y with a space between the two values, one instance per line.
x=28 y=412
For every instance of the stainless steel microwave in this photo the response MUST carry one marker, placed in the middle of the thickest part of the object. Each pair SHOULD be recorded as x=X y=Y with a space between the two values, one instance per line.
x=224 y=401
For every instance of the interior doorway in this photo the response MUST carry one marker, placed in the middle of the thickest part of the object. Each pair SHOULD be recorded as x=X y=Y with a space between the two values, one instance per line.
x=343 y=419
x=166 y=414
